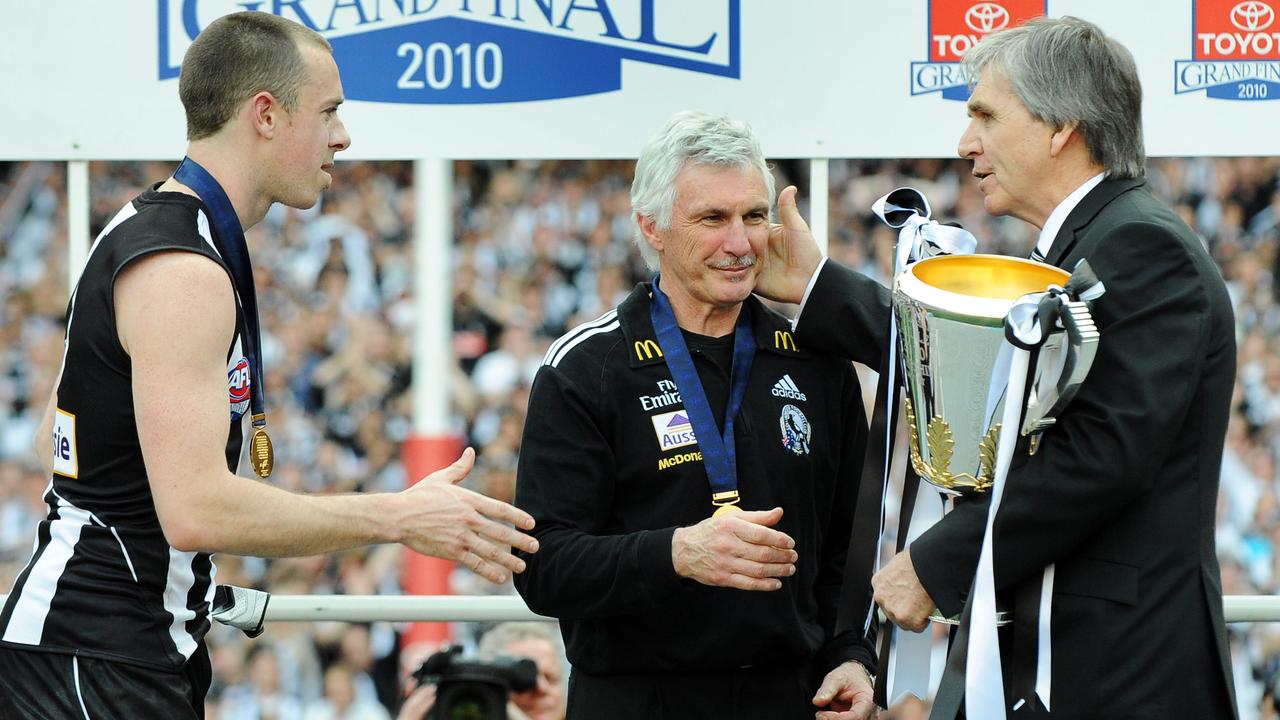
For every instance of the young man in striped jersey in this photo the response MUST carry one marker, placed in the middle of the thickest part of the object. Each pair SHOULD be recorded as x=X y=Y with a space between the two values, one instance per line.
x=694 y=473
x=109 y=616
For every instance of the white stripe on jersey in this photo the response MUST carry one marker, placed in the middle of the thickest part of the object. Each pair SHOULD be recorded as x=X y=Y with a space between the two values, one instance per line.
x=202 y=227
x=26 y=625
x=128 y=560
x=586 y=335
x=75 y=676
x=98 y=521
x=181 y=578
x=573 y=334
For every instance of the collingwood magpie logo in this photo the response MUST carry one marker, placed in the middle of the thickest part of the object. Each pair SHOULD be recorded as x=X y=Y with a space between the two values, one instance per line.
x=463 y=52
x=796 y=432
x=786 y=388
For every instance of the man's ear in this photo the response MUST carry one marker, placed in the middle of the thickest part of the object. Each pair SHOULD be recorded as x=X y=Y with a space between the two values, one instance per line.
x=1062 y=138
x=649 y=227
x=265 y=114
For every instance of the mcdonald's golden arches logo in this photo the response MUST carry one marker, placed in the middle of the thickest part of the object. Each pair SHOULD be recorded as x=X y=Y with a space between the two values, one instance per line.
x=647 y=350
x=782 y=340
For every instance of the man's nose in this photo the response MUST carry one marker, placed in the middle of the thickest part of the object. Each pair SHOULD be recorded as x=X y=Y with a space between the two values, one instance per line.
x=969 y=145
x=736 y=242
x=341 y=140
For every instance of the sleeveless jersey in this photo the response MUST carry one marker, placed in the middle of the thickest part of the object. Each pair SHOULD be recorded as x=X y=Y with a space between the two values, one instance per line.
x=102 y=580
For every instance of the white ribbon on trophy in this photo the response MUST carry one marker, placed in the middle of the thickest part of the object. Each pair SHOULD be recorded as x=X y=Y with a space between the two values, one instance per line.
x=919 y=237
x=1025 y=333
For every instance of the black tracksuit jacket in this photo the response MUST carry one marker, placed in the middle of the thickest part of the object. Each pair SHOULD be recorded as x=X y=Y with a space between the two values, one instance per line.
x=607 y=498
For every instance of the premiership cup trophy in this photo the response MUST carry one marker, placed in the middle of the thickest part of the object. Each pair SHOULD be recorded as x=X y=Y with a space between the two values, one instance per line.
x=986 y=345
x=951 y=312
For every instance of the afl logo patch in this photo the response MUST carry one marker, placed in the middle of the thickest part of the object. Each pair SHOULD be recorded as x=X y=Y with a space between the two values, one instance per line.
x=795 y=430
x=238 y=388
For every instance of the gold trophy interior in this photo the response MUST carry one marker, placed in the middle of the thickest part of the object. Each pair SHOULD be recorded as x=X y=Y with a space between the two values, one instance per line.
x=950 y=312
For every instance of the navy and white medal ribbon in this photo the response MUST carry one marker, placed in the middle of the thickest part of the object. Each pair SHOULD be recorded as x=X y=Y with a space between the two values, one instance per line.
x=228 y=236
x=719 y=452
x=919 y=237
x=1028 y=324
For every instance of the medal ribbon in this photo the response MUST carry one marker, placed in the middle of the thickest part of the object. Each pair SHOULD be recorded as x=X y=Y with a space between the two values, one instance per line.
x=719 y=455
x=228 y=236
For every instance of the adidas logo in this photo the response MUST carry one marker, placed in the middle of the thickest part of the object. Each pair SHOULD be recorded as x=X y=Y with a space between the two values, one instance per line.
x=786 y=388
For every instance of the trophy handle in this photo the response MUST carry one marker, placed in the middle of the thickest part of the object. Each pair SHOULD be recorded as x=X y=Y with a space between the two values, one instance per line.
x=1076 y=349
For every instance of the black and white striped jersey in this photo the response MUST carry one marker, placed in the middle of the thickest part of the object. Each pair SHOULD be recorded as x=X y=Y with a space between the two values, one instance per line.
x=102 y=580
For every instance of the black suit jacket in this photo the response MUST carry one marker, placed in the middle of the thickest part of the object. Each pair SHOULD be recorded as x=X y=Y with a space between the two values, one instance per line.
x=1122 y=492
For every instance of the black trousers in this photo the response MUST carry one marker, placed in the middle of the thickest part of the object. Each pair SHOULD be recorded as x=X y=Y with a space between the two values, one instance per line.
x=758 y=693
x=53 y=686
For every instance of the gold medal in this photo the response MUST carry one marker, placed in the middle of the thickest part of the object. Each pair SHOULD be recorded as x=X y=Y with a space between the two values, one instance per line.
x=261 y=454
x=725 y=510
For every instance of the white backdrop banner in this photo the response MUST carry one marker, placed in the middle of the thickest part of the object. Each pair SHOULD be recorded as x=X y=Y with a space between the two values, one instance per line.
x=595 y=78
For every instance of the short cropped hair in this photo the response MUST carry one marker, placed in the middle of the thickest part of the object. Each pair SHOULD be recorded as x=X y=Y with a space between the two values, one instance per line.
x=693 y=137
x=1065 y=70
x=236 y=57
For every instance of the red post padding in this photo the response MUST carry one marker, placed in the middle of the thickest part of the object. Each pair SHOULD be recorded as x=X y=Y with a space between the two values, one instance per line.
x=423 y=455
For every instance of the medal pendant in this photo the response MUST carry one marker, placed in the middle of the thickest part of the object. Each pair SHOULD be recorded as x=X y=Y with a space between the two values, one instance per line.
x=261 y=454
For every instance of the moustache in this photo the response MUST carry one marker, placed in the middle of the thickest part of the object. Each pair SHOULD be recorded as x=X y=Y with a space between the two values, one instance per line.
x=733 y=263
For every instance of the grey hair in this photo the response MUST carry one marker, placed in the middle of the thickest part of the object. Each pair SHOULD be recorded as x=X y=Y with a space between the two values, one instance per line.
x=693 y=137
x=495 y=642
x=1065 y=70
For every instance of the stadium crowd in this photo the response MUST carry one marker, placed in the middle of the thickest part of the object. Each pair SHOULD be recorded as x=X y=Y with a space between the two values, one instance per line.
x=540 y=246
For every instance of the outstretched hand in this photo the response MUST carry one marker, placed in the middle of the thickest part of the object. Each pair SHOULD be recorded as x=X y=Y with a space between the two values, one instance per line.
x=453 y=523
x=792 y=255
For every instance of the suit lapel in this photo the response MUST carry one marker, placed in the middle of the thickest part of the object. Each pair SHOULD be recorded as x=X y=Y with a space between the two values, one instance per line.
x=1083 y=214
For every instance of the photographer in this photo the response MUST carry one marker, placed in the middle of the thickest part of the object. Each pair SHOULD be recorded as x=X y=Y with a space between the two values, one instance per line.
x=533 y=640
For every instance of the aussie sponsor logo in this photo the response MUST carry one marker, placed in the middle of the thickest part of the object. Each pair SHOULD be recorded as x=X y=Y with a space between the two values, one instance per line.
x=1235 y=51
x=786 y=388
x=954 y=27
x=65 y=461
x=673 y=430
x=682 y=458
x=796 y=432
x=486 y=51
x=238 y=381
x=666 y=397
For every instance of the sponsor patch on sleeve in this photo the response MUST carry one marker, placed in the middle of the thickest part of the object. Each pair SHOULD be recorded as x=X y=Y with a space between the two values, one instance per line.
x=65 y=461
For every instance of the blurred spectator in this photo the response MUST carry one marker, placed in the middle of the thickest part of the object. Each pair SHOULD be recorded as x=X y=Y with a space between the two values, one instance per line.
x=342 y=700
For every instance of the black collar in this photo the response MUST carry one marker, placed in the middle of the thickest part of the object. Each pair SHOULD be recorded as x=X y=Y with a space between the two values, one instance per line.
x=772 y=331
x=1084 y=212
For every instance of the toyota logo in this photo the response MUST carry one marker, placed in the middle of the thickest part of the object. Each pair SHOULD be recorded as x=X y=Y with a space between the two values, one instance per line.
x=987 y=17
x=1252 y=15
